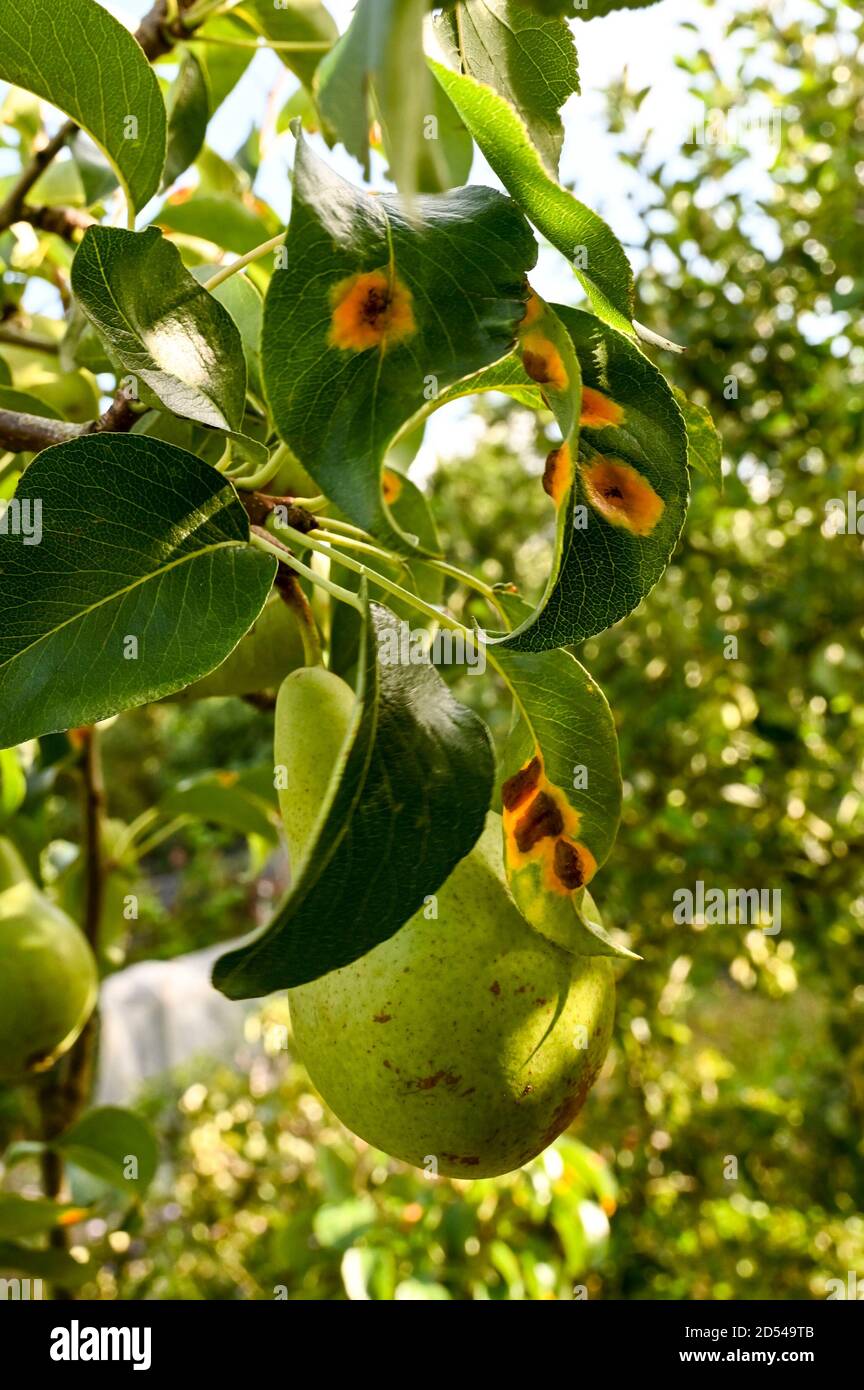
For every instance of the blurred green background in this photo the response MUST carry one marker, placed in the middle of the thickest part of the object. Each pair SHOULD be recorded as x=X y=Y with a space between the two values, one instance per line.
x=720 y=1154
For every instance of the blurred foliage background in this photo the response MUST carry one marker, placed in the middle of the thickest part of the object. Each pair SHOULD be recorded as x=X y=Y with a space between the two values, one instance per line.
x=720 y=1155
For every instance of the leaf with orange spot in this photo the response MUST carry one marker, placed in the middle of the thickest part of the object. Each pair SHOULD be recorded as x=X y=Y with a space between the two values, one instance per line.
x=381 y=308
x=560 y=792
x=622 y=496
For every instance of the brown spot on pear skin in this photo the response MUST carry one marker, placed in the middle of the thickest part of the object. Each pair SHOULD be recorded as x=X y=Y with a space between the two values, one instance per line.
x=382 y=1018
x=373 y=309
x=543 y=818
x=542 y=361
x=495 y=987
x=520 y=786
x=558 y=473
x=598 y=410
x=623 y=496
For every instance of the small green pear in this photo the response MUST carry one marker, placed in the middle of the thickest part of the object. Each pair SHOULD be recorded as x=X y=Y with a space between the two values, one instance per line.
x=271 y=648
x=313 y=714
x=49 y=982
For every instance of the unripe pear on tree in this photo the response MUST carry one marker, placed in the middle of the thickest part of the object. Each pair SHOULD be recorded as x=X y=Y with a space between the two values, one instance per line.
x=467 y=1042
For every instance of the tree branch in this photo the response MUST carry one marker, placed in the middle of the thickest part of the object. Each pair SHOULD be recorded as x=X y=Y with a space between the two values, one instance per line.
x=21 y=433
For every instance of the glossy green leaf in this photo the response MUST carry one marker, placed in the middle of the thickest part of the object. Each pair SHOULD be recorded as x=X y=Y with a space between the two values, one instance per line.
x=704 y=445
x=530 y=62
x=578 y=233
x=82 y=59
x=294 y=22
x=620 y=501
x=115 y=1145
x=376 y=312
x=144 y=580
x=188 y=114
x=381 y=812
x=161 y=325
x=378 y=67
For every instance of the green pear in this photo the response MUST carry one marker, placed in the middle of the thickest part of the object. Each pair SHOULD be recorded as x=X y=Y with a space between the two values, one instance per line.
x=271 y=648
x=313 y=714
x=12 y=867
x=49 y=982
x=467 y=1042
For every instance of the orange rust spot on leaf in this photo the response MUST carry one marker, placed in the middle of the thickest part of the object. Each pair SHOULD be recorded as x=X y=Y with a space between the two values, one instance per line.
x=542 y=819
x=227 y=779
x=534 y=310
x=370 y=310
x=598 y=410
x=72 y=1217
x=542 y=361
x=558 y=473
x=541 y=826
x=391 y=485
x=518 y=787
x=623 y=496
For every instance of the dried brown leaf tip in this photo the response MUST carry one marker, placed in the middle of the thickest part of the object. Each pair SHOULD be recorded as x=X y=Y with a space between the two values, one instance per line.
x=373 y=309
x=622 y=495
x=540 y=827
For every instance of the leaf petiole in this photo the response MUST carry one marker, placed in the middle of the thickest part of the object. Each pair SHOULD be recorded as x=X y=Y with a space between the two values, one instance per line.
x=242 y=261
x=263 y=541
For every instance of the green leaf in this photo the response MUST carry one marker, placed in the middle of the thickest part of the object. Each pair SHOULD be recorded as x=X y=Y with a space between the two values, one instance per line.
x=104 y=1141
x=596 y=9
x=223 y=222
x=161 y=325
x=578 y=233
x=27 y=404
x=85 y=62
x=621 y=502
x=292 y=21
x=5 y=374
x=531 y=63
x=445 y=157
x=188 y=115
x=55 y=1265
x=413 y=792
x=221 y=799
x=561 y=792
x=704 y=445
x=378 y=65
x=374 y=313
x=223 y=66
x=140 y=540
x=30 y=1216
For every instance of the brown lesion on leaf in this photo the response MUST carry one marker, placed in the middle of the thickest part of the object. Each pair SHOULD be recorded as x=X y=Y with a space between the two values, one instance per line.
x=622 y=495
x=599 y=410
x=543 y=362
x=558 y=473
x=520 y=786
x=391 y=486
x=372 y=309
x=542 y=827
